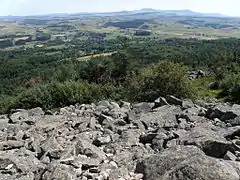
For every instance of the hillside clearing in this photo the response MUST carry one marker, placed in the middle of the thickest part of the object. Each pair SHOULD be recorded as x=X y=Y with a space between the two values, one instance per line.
x=88 y=57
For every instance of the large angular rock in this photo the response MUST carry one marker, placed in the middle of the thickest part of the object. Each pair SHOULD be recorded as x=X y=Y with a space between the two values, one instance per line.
x=3 y=122
x=206 y=137
x=9 y=145
x=36 y=112
x=230 y=156
x=99 y=141
x=173 y=100
x=234 y=122
x=60 y=171
x=127 y=158
x=224 y=112
x=142 y=107
x=85 y=147
x=231 y=132
x=18 y=116
x=185 y=162
x=20 y=162
x=161 y=101
x=130 y=137
x=118 y=113
x=52 y=148
x=26 y=116
x=187 y=104
x=162 y=117
x=81 y=161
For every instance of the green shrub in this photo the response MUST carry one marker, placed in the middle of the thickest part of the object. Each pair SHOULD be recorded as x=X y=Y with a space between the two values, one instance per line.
x=234 y=94
x=230 y=86
x=161 y=79
x=229 y=81
x=6 y=103
x=54 y=95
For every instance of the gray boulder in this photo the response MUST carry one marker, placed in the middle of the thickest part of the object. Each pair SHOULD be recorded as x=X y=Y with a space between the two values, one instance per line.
x=27 y=116
x=99 y=141
x=9 y=145
x=206 y=138
x=174 y=101
x=162 y=117
x=143 y=107
x=84 y=147
x=234 y=122
x=21 y=162
x=223 y=112
x=161 y=101
x=187 y=104
x=60 y=171
x=175 y=164
x=230 y=156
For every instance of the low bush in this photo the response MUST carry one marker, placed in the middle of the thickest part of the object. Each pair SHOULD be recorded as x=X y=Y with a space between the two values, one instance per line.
x=54 y=95
x=161 y=79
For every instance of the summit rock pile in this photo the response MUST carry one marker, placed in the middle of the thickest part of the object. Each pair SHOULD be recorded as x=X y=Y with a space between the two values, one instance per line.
x=169 y=139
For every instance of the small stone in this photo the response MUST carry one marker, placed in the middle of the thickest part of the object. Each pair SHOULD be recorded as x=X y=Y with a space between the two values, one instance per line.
x=121 y=179
x=127 y=177
x=120 y=122
x=9 y=167
x=230 y=156
x=115 y=105
x=109 y=155
x=202 y=112
x=228 y=125
x=45 y=160
x=217 y=121
x=89 y=175
x=161 y=101
x=99 y=178
x=237 y=142
x=102 y=140
x=79 y=172
x=104 y=103
x=187 y=104
x=173 y=100
x=126 y=105
x=105 y=174
x=114 y=164
x=237 y=153
x=138 y=176
x=94 y=170
x=84 y=178
x=131 y=174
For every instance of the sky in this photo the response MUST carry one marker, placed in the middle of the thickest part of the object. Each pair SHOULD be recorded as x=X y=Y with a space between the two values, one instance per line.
x=35 y=7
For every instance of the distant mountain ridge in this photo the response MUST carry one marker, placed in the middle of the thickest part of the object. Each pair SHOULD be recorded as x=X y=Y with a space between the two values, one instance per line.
x=183 y=12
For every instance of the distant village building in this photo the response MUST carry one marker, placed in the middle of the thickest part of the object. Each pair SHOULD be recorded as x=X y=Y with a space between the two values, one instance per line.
x=196 y=74
x=62 y=37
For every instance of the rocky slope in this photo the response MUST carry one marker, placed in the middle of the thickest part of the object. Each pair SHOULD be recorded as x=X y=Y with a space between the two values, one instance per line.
x=169 y=139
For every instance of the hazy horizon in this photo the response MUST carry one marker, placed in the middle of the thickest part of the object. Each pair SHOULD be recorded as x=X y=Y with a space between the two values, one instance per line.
x=39 y=7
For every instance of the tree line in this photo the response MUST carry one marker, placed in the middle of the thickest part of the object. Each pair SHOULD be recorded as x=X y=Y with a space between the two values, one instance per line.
x=141 y=70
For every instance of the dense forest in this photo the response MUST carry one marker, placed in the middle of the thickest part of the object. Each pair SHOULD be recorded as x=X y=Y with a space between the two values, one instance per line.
x=142 y=70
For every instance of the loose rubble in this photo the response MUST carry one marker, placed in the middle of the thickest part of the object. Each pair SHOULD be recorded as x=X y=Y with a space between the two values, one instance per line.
x=169 y=139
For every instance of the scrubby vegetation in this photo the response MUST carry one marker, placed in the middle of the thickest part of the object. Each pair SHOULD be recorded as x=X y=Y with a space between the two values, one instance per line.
x=157 y=80
x=56 y=94
x=141 y=70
